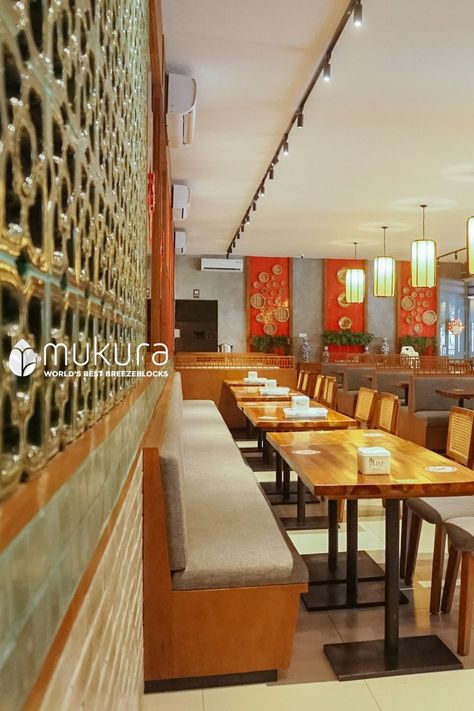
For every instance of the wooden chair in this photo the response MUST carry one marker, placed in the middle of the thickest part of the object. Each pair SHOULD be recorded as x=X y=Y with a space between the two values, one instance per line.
x=460 y=448
x=365 y=406
x=329 y=392
x=310 y=384
x=299 y=381
x=303 y=384
x=386 y=413
x=318 y=388
x=461 y=551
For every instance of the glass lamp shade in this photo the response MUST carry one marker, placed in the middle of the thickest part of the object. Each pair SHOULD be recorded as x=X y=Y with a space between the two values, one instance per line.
x=355 y=286
x=470 y=244
x=423 y=263
x=384 y=276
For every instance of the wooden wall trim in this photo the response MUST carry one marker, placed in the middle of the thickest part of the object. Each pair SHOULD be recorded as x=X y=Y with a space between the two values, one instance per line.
x=25 y=502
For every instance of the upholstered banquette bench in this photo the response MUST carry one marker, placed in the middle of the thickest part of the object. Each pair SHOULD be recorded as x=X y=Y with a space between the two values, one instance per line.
x=425 y=419
x=222 y=581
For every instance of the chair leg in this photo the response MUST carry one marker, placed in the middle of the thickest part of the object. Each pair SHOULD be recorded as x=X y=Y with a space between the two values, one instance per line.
x=437 y=569
x=450 y=579
x=465 y=603
x=341 y=507
x=412 y=549
x=403 y=540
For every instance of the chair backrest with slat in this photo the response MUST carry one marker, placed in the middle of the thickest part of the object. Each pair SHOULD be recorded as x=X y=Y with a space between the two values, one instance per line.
x=329 y=397
x=460 y=445
x=365 y=406
x=318 y=388
x=386 y=413
x=304 y=381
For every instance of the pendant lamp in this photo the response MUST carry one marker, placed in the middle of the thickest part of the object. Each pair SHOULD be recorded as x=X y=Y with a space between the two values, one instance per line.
x=470 y=244
x=423 y=260
x=355 y=283
x=384 y=273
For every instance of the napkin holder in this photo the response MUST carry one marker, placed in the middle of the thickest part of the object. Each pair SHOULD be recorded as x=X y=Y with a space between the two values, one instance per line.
x=252 y=375
x=373 y=460
x=299 y=402
x=310 y=413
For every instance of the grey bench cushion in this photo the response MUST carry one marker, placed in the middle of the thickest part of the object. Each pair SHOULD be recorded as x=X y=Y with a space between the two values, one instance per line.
x=461 y=533
x=439 y=510
x=426 y=397
x=234 y=539
x=172 y=474
x=438 y=418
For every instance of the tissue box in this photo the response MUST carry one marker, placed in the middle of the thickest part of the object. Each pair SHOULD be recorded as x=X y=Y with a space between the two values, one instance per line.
x=252 y=375
x=273 y=390
x=300 y=402
x=310 y=413
x=373 y=460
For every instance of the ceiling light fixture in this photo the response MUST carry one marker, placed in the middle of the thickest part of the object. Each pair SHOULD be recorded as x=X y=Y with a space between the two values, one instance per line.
x=327 y=70
x=470 y=244
x=323 y=69
x=355 y=283
x=384 y=272
x=254 y=205
x=358 y=15
x=423 y=260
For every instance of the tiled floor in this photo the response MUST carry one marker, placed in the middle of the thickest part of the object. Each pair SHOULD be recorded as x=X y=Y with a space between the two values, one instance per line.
x=309 y=682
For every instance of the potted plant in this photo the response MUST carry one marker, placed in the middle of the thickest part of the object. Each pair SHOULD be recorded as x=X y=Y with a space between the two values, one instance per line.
x=271 y=344
x=423 y=345
x=346 y=340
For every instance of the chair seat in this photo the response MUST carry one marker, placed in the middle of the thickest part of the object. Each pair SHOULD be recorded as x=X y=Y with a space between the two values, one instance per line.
x=461 y=533
x=439 y=510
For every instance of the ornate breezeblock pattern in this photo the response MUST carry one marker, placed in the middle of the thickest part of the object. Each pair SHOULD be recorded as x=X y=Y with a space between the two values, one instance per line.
x=73 y=165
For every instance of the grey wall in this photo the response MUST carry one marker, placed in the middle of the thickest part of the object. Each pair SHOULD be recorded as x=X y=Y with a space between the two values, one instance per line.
x=381 y=315
x=227 y=289
x=307 y=304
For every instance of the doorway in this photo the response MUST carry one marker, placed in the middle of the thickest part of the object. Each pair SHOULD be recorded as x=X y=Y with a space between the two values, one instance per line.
x=197 y=324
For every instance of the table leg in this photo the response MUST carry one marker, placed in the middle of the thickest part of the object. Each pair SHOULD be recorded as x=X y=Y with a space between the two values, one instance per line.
x=278 y=472
x=461 y=402
x=352 y=551
x=301 y=503
x=259 y=440
x=392 y=655
x=333 y=534
x=286 y=481
x=267 y=450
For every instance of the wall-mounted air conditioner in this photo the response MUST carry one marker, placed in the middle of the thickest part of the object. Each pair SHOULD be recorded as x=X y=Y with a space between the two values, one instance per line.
x=180 y=199
x=220 y=264
x=180 y=239
x=181 y=109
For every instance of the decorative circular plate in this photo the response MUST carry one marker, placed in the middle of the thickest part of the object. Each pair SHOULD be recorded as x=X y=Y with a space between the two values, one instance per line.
x=429 y=294
x=263 y=290
x=277 y=269
x=270 y=329
x=441 y=470
x=345 y=323
x=406 y=289
x=275 y=284
x=418 y=318
x=270 y=302
x=407 y=303
x=430 y=318
x=341 y=275
x=421 y=294
x=257 y=301
x=342 y=301
x=420 y=309
x=263 y=276
x=408 y=319
x=256 y=285
x=259 y=318
x=278 y=301
x=426 y=303
x=283 y=282
x=418 y=328
x=273 y=293
x=414 y=294
x=281 y=314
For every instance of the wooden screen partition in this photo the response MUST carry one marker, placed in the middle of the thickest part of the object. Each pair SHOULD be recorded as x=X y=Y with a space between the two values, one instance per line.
x=338 y=315
x=269 y=305
x=417 y=308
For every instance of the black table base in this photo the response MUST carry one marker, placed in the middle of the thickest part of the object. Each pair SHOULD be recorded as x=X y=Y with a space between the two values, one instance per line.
x=293 y=523
x=368 y=660
x=275 y=495
x=321 y=573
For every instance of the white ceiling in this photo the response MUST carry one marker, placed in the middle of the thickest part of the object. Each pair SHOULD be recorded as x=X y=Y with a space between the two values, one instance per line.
x=394 y=127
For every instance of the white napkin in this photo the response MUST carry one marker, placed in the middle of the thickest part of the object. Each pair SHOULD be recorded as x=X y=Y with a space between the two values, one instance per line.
x=311 y=413
x=274 y=390
x=255 y=381
x=300 y=402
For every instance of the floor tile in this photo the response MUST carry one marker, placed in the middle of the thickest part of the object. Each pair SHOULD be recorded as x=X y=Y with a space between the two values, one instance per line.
x=174 y=701
x=425 y=692
x=330 y=696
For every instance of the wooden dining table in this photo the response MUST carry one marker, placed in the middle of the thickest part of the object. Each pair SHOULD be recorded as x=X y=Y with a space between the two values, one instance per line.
x=459 y=394
x=328 y=467
x=251 y=394
x=270 y=417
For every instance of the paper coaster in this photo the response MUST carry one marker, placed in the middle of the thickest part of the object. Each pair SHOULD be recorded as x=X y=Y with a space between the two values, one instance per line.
x=305 y=451
x=267 y=417
x=374 y=434
x=441 y=470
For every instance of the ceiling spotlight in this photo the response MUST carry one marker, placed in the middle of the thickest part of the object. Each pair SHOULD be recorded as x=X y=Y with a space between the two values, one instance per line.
x=247 y=218
x=358 y=15
x=271 y=173
x=242 y=227
x=300 y=119
x=262 y=191
x=286 y=147
x=237 y=236
x=327 y=71
x=233 y=243
x=254 y=205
